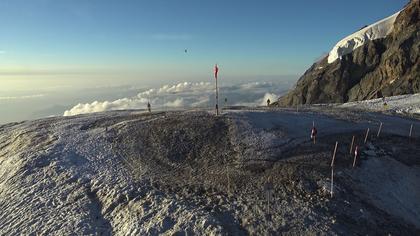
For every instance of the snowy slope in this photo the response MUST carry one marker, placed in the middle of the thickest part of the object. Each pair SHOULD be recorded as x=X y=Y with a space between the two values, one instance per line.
x=409 y=103
x=377 y=30
x=67 y=175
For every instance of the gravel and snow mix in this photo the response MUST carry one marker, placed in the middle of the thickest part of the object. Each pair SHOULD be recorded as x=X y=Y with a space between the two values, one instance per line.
x=189 y=172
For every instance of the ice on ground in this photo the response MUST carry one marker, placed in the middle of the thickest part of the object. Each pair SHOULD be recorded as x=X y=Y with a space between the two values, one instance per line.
x=377 y=30
x=409 y=103
x=397 y=193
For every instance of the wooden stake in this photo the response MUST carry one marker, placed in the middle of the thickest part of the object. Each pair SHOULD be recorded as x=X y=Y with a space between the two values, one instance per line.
x=332 y=181
x=351 y=146
x=367 y=133
x=313 y=126
x=379 y=131
x=411 y=130
x=356 y=151
x=335 y=150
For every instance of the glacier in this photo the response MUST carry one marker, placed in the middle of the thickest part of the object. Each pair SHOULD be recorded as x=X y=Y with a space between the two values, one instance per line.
x=374 y=31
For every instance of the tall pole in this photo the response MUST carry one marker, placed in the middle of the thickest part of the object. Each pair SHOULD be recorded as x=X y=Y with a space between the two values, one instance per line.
x=217 y=99
x=216 y=70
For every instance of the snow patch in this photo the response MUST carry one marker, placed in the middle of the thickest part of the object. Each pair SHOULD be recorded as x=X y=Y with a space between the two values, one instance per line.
x=377 y=30
x=409 y=103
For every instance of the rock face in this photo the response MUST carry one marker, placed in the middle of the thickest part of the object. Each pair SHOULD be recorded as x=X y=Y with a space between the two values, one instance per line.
x=382 y=67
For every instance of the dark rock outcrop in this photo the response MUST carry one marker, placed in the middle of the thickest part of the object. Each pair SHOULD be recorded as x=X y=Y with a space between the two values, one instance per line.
x=383 y=67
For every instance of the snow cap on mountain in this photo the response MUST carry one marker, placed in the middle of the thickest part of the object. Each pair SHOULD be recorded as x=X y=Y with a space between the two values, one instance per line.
x=377 y=30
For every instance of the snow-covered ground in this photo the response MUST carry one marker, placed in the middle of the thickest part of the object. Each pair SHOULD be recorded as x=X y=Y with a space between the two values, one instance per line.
x=409 y=103
x=374 y=31
x=68 y=175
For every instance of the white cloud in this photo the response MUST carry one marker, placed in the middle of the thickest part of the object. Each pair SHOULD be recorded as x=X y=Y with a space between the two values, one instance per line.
x=273 y=97
x=2 y=52
x=185 y=94
x=179 y=102
x=22 y=97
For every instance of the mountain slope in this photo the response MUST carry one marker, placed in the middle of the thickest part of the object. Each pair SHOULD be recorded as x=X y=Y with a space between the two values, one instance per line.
x=381 y=59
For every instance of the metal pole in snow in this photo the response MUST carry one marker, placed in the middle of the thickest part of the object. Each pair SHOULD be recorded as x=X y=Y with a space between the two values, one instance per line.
x=332 y=169
x=335 y=150
x=356 y=152
x=332 y=180
x=411 y=130
x=313 y=126
x=217 y=100
x=351 y=146
x=379 y=131
x=216 y=70
x=367 y=133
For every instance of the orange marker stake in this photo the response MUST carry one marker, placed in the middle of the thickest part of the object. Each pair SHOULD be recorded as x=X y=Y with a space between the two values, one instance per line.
x=356 y=153
x=335 y=150
x=367 y=133
x=379 y=131
x=411 y=130
x=351 y=146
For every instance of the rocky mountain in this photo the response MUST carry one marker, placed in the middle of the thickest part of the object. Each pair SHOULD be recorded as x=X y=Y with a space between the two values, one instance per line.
x=381 y=59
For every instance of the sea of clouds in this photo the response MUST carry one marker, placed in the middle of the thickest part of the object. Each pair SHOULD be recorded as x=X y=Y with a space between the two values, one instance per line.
x=188 y=95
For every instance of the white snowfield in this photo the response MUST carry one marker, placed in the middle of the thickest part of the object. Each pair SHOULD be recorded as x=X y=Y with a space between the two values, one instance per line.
x=409 y=103
x=377 y=30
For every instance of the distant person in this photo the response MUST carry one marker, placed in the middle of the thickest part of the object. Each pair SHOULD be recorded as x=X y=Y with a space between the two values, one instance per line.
x=384 y=102
x=149 y=107
x=268 y=102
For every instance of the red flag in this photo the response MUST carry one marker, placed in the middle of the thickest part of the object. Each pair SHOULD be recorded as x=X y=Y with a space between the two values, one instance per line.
x=216 y=70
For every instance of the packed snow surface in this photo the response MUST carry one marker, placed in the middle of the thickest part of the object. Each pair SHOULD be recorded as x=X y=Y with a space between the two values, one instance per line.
x=409 y=103
x=377 y=30
x=191 y=173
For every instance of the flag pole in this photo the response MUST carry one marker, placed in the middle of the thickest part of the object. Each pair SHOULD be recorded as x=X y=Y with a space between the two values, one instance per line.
x=216 y=70
x=217 y=99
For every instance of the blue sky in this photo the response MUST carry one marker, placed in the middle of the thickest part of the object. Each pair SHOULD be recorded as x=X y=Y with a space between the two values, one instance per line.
x=145 y=40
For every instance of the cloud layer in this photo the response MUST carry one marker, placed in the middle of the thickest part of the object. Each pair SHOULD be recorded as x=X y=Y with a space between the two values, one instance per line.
x=22 y=97
x=186 y=95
